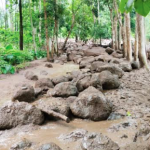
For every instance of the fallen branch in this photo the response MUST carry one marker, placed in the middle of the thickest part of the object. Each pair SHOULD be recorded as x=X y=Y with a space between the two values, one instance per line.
x=55 y=114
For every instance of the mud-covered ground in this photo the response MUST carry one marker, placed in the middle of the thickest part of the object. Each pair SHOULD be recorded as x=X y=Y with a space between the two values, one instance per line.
x=131 y=100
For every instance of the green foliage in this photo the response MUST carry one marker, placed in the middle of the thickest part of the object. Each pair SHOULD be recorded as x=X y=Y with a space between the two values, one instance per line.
x=141 y=6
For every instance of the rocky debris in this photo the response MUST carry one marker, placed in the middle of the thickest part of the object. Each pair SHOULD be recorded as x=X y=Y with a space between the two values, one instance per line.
x=13 y=114
x=21 y=145
x=83 y=83
x=135 y=65
x=31 y=76
x=137 y=146
x=48 y=65
x=142 y=135
x=86 y=61
x=95 y=65
x=43 y=72
x=74 y=135
x=94 y=141
x=112 y=68
x=56 y=104
x=117 y=55
x=65 y=89
x=62 y=58
x=109 y=50
x=95 y=51
x=115 y=116
x=24 y=92
x=104 y=57
x=38 y=92
x=108 y=80
x=44 y=84
x=126 y=67
x=91 y=104
x=59 y=79
x=49 y=146
x=71 y=99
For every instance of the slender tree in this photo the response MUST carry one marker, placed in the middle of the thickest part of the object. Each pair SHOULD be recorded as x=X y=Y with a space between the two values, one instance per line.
x=21 y=24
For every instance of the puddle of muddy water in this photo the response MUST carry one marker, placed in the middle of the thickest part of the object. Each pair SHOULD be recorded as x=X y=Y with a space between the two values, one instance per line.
x=52 y=131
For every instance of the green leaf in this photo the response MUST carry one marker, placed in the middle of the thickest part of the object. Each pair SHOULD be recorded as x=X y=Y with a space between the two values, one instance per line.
x=142 y=7
x=128 y=114
x=9 y=47
x=122 y=5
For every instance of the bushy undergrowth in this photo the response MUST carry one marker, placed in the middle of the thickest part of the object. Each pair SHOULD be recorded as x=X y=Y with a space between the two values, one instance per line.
x=12 y=59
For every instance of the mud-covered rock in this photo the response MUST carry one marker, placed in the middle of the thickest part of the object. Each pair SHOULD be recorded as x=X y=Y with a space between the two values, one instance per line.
x=22 y=145
x=83 y=83
x=96 y=64
x=126 y=67
x=112 y=68
x=49 y=146
x=91 y=104
x=59 y=79
x=86 y=61
x=43 y=72
x=95 y=51
x=94 y=141
x=24 y=92
x=108 y=80
x=109 y=50
x=31 y=76
x=56 y=104
x=44 y=84
x=65 y=89
x=49 y=65
x=13 y=114
x=135 y=65
x=74 y=135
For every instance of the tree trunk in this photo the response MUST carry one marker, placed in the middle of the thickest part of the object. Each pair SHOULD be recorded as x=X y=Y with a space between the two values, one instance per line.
x=72 y=25
x=124 y=37
x=128 y=36
x=120 y=35
x=32 y=27
x=46 y=31
x=141 y=41
x=136 y=40
x=40 y=23
x=21 y=24
x=112 y=28
x=116 y=33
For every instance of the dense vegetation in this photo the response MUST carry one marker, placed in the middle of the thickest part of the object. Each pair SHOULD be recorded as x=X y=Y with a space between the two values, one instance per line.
x=36 y=26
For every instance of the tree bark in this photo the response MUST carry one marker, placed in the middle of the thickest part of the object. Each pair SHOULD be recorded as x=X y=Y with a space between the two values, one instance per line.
x=21 y=24
x=40 y=23
x=128 y=36
x=124 y=38
x=46 y=31
x=32 y=27
x=116 y=33
x=72 y=25
x=141 y=42
x=136 y=40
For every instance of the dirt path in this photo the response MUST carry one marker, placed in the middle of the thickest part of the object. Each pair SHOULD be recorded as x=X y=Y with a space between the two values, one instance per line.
x=133 y=96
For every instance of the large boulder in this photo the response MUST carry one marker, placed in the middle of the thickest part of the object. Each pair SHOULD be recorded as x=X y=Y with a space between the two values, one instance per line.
x=56 y=104
x=65 y=89
x=31 y=76
x=24 y=92
x=112 y=68
x=44 y=84
x=49 y=146
x=108 y=80
x=94 y=141
x=59 y=79
x=91 y=104
x=89 y=80
x=13 y=114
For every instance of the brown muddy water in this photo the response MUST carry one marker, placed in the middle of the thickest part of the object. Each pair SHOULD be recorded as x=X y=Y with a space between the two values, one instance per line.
x=51 y=131
x=54 y=129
